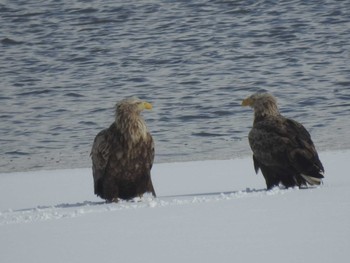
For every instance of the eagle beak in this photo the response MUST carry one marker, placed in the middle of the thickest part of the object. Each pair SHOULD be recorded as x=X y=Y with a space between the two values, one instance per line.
x=247 y=102
x=147 y=105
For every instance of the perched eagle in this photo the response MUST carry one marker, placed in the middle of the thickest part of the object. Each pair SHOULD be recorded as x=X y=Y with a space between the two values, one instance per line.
x=122 y=155
x=282 y=148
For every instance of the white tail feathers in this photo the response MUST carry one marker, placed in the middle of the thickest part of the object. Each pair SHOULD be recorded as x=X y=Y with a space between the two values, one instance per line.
x=312 y=180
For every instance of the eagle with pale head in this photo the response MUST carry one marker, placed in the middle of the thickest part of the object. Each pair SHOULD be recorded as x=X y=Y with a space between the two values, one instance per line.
x=122 y=155
x=282 y=148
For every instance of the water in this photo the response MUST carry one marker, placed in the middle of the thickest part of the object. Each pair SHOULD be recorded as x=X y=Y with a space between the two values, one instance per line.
x=64 y=65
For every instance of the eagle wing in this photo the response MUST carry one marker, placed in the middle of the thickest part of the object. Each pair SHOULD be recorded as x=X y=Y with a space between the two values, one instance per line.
x=149 y=163
x=100 y=154
x=282 y=142
x=303 y=155
x=151 y=155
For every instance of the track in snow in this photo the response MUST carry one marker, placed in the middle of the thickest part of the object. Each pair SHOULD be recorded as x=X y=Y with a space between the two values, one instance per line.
x=69 y=210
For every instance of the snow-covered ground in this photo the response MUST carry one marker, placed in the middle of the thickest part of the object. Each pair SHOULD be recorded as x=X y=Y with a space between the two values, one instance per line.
x=207 y=211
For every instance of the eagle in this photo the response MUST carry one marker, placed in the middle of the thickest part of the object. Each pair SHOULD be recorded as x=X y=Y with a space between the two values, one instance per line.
x=282 y=148
x=122 y=155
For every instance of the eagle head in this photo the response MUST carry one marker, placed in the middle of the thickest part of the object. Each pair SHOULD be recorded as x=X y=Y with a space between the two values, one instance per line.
x=263 y=104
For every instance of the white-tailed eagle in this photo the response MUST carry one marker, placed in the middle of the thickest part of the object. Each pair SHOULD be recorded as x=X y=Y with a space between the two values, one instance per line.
x=282 y=148
x=122 y=155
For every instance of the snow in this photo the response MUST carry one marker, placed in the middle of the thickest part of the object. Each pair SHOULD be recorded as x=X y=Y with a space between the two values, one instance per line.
x=206 y=211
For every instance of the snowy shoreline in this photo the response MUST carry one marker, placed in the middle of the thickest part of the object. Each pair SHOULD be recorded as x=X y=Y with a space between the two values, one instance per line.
x=205 y=211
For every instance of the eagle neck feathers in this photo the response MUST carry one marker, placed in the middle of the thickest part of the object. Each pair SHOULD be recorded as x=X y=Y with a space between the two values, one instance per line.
x=264 y=110
x=132 y=127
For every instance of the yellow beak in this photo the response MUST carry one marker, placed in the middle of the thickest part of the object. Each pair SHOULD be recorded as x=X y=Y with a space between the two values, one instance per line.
x=247 y=102
x=147 y=105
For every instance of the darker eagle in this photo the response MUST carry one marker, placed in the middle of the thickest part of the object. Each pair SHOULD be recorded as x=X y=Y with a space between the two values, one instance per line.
x=282 y=148
x=122 y=155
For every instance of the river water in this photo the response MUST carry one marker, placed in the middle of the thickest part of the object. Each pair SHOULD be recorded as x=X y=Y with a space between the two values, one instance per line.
x=64 y=64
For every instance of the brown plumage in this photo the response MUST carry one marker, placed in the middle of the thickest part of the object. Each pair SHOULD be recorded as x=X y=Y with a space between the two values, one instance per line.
x=122 y=155
x=282 y=148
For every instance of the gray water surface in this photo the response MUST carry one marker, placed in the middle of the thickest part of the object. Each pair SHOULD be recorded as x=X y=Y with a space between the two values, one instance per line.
x=64 y=64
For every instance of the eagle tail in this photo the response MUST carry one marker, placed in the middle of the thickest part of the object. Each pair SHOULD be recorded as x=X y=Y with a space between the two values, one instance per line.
x=315 y=175
x=309 y=166
x=312 y=180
